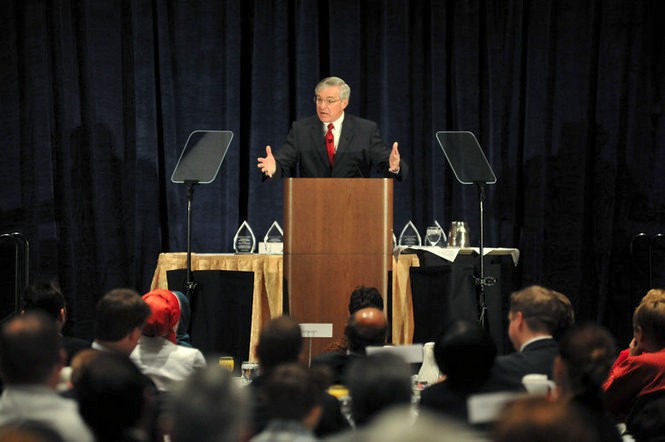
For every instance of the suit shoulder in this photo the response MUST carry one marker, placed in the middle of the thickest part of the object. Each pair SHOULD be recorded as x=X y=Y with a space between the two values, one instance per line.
x=359 y=121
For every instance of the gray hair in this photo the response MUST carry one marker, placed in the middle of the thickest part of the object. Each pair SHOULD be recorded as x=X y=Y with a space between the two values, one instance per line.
x=207 y=407
x=344 y=89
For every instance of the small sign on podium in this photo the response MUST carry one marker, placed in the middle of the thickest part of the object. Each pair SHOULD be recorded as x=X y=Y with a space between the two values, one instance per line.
x=311 y=330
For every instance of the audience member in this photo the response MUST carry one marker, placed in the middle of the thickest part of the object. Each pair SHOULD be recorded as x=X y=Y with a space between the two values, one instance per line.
x=28 y=431
x=651 y=295
x=182 y=331
x=645 y=423
x=465 y=354
x=537 y=315
x=280 y=342
x=536 y=419
x=367 y=326
x=642 y=372
x=376 y=383
x=397 y=424
x=361 y=297
x=207 y=407
x=157 y=355
x=119 y=320
x=47 y=297
x=30 y=362
x=586 y=354
x=294 y=398
x=114 y=399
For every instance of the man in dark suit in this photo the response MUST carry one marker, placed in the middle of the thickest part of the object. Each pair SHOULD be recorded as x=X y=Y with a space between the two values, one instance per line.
x=47 y=297
x=537 y=316
x=333 y=144
x=366 y=327
x=280 y=342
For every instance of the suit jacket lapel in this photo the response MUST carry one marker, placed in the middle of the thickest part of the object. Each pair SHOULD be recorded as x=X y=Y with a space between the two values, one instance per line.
x=347 y=133
x=318 y=140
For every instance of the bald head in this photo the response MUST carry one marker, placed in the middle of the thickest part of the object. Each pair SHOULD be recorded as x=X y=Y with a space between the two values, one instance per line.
x=367 y=326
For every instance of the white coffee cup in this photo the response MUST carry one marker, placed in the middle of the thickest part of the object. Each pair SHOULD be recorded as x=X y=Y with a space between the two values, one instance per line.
x=538 y=384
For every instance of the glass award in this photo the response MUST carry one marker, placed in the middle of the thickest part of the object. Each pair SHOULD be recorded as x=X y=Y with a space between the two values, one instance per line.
x=244 y=240
x=273 y=242
x=409 y=236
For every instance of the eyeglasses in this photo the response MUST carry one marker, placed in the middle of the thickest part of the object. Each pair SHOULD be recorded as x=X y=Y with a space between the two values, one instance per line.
x=328 y=101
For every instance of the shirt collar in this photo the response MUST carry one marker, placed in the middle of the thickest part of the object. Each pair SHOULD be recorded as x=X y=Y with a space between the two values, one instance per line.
x=537 y=338
x=337 y=123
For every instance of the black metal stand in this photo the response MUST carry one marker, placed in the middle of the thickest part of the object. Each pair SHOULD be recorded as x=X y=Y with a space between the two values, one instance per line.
x=482 y=281
x=21 y=268
x=190 y=284
x=470 y=166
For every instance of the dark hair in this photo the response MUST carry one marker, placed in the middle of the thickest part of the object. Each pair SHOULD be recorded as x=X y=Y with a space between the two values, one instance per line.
x=362 y=297
x=118 y=313
x=29 y=348
x=588 y=352
x=110 y=392
x=544 y=310
x=280 y=341
x=44 y=296
x=535 y=418
x=291 y=392
x=465 y=353
x=377 y=382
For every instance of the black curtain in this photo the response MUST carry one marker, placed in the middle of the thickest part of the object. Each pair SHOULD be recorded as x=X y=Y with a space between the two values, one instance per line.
x=566 y=98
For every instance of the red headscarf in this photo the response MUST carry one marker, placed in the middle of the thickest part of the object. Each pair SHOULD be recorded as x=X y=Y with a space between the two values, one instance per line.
x=165 y=314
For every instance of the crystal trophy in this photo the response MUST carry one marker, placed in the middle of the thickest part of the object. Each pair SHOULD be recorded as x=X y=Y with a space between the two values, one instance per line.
x=273 y=242
x=409 y=236
x=244 y=240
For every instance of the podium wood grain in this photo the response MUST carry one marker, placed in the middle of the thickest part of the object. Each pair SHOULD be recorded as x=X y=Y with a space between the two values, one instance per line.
x=338 y=235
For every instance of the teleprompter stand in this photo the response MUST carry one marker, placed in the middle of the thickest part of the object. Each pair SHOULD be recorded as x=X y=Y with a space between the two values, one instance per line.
x=470 y=166
x=199 y=163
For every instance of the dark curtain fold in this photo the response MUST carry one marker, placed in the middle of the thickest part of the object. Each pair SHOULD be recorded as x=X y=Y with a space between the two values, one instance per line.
x=565 y=97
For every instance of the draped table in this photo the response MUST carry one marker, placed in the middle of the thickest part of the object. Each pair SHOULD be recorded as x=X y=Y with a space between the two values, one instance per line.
x=268 y=293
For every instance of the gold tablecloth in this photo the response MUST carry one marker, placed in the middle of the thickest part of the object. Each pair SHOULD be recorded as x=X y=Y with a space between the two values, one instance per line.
x=268 y=291
x=268 y=274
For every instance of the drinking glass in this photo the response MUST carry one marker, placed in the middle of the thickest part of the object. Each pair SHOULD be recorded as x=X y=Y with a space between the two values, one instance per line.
x=248 y=371
x=433 y=235
x=227 y=362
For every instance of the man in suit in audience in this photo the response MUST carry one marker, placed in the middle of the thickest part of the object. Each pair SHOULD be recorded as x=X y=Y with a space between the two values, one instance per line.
x=119 y=320
x=208 y=407
x=376 y=383
x=332 y=143
x=280 y=342
x=30 y=361
x=366 y=327
x=294 y=398
x=537 y=316
x=47 y=297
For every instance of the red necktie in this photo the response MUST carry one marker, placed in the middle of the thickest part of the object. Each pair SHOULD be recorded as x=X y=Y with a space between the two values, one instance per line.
x=330 y=144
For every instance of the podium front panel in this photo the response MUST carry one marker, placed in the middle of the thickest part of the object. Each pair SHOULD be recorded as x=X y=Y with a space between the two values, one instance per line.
x=337 y=236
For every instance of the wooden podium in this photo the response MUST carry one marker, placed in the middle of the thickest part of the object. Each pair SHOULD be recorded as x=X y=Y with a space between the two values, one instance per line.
x=337 y=236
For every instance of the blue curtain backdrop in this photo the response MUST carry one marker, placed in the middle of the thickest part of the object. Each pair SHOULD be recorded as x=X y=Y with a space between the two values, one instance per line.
x=566 y=98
